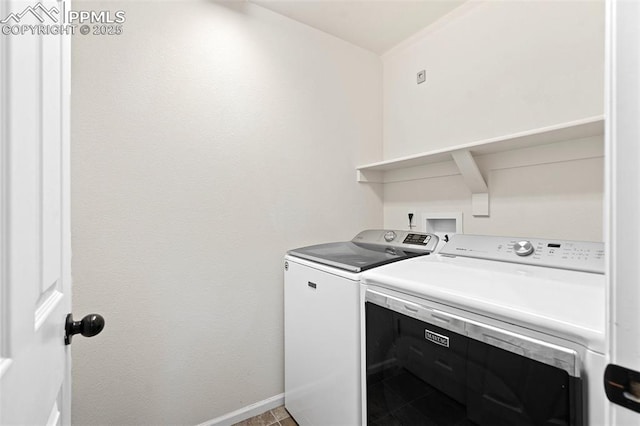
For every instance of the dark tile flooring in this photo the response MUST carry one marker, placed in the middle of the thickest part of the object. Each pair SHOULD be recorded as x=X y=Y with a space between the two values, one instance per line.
x=277 y=417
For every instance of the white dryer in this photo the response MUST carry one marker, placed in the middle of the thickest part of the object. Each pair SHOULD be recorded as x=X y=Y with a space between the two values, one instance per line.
x=490 y=331
x=322 y=321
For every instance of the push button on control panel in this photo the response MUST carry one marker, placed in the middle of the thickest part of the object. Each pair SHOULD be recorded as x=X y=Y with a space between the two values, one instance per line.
x=523 y=248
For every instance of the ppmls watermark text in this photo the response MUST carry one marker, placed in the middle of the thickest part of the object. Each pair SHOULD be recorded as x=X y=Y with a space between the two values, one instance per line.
x=40 y=20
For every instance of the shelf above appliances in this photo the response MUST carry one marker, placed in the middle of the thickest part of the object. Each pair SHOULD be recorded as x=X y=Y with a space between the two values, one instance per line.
x=463 y=156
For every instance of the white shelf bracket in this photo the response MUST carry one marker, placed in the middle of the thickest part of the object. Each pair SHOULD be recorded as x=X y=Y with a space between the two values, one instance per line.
x=474 y=181
x=370 y=176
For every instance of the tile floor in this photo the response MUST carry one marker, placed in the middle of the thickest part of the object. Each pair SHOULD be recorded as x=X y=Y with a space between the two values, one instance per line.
x=279 y=416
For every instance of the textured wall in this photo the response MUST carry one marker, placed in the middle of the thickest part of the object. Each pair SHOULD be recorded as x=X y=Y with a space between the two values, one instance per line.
x=493 y=69
x=560 y=200
x=206 y=140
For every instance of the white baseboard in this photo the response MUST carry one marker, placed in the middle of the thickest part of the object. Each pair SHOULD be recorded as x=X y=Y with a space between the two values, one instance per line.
x=247 y=412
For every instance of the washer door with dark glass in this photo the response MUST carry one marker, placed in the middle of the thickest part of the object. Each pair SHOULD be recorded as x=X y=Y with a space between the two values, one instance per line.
x=420 y=374
x=353 y=257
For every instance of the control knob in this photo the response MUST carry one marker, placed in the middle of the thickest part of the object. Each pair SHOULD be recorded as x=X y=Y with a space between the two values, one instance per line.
x=523 y=248
x=389 y=236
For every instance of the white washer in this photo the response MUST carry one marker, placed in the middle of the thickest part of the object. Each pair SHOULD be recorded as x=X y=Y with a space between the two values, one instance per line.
x=538 y=305
x=322 y=321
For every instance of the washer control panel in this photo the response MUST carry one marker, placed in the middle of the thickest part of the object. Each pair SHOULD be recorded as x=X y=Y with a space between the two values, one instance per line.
x=403 y=240
x=574 y=255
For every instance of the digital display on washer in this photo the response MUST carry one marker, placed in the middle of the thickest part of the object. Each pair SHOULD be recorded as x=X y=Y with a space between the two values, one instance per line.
x=552 y=245
x=417 y=239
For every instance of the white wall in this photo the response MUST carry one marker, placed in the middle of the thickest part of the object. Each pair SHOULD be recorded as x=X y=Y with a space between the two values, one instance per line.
x=207 y=140
x=496 y=68
x=560 y=200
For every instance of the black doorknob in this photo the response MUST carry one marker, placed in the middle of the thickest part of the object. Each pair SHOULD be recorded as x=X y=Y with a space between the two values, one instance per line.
x=88 y=326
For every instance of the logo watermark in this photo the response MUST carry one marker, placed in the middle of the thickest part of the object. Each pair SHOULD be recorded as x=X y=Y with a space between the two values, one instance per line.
x=40 y=20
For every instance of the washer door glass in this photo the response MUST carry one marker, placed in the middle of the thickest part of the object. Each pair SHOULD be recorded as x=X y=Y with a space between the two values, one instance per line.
x=420 y=374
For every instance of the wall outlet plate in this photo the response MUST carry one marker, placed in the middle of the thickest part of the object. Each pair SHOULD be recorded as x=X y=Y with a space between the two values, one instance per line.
x=422 y=76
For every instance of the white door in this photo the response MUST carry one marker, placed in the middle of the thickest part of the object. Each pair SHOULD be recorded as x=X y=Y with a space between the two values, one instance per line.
x=623 y=208
x=34 y=218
